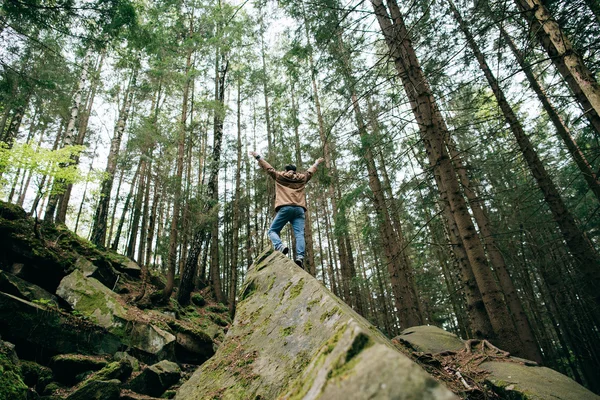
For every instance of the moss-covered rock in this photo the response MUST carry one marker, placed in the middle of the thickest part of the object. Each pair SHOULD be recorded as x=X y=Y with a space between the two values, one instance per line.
x=517 y=381
x=12 y=385
x=430 y=339
x=16 y=286
x=192 y=344
x=97 y=390
x=92 y=299
x=41 y=331
x=156 y=379
x=120 y=370
x=293 y=339
x=149 y=343
x=198 y=299
x=68 y=367
x=35 y=375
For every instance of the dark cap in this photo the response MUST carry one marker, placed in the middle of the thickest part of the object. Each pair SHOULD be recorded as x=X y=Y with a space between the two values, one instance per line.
x=290 y=167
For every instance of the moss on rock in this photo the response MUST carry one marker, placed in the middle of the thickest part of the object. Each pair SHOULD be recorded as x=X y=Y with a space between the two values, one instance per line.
x=273 y=349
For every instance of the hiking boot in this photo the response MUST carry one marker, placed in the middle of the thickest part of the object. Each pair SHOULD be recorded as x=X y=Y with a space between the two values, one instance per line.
x=299 y=263
x=285 y=250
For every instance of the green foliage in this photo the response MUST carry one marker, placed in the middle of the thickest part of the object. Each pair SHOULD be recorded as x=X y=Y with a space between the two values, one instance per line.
x=42 y=161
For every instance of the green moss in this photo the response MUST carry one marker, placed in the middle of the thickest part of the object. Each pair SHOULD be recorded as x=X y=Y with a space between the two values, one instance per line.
x=287 y=331
x=312 y=303
x=11 y=381
x=346 y=363
x=247 y=290
x=217 y=308
x=198 y=299
x=217 y=319
x=330 y=313
x=271 y=283
x=307 y=326
x=297 y=289
x=287 y=285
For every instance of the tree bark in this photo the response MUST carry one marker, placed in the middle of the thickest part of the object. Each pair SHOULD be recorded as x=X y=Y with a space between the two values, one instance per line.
x=211 y=206
x=101 y=217
x=177 y=200
x=59 y=185
x=84 y=117
x=433 y=131
x=569 y=63
x=561 y=128
x=581 y=248
x=236 y=208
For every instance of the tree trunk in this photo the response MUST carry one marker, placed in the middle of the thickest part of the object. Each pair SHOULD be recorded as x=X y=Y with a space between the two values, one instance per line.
x=211 y=207
x=569 y=63
x=115 y=244
x=236 y=206
x=101 y=217
x=584 y=166
x=397 y=263
x=581 y=248
x=59 y=185
x=84 y=117
x=530 y=347
x=433 y=131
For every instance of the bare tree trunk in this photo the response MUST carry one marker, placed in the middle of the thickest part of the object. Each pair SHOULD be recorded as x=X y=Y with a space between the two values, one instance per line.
x=397 y=263
x=530 y=346
x=584 y=166
x=101 y=217
x=236 y=207
x=581 y=248
x=84 y=117
x=177 y=200
x=569 y=63
x=433 y=131
x=188 y=274
x=115 y=244
x=59 y=185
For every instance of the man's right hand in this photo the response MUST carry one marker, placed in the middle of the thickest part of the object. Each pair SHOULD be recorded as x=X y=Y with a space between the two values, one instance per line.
x=320 y=160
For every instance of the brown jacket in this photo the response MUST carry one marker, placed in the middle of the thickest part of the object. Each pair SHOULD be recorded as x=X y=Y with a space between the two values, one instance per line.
x=289 y=185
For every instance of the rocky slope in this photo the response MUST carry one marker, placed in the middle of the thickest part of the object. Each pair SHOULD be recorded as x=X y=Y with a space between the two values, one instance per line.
x=70 y=327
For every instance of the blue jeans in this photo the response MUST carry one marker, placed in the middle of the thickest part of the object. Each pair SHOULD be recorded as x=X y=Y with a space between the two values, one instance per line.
x=295 y=216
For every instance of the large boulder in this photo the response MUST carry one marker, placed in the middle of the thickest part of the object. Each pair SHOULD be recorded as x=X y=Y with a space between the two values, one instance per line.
x=430 y=339
x=90 y=297
x=150 y=343
x=527 y=382
x=68 y=368
x=292 y=338
x=99 y=268
x=42 y=332
x=511 y=378
x=16 y=286
x=23 y=254
x=97 y=390
x=156 y=379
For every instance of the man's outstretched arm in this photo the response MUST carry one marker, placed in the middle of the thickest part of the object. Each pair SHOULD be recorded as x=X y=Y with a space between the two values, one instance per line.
x=313 y=168
x=264 y=164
